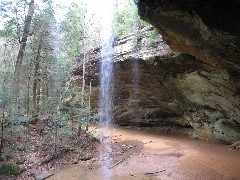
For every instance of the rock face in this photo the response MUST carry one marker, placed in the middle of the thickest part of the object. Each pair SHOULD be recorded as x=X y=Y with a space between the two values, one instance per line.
x=207 y=29
x=210 y=31
x=155 y=87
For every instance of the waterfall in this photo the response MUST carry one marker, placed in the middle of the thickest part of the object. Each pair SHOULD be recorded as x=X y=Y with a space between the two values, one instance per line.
x=106 y=85
x=106 y=70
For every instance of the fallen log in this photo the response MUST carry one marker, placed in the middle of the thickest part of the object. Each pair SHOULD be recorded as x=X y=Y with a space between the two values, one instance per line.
x=116 y=164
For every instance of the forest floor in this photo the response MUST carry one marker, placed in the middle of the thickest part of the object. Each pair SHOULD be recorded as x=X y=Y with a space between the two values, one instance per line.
x=36 y=154
x=127 y=153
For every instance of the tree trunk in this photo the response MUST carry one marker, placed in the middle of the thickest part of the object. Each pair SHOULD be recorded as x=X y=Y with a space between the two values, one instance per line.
x=84 y=68
x=22 y=48
x=56 y=138
x=35 y=84
x=2 y=133
x=83 y=81
x=28 y=95
x=89 y=105
x=38 y=97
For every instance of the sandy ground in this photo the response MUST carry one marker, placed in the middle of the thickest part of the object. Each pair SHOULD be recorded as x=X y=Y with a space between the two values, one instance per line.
x=140 y=154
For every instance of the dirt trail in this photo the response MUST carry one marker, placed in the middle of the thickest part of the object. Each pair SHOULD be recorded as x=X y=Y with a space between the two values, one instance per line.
x=141 y=154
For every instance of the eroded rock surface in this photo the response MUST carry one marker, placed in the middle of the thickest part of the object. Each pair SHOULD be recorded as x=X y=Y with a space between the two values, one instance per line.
x=162 y=88
x=208 y=29
x=236 y=145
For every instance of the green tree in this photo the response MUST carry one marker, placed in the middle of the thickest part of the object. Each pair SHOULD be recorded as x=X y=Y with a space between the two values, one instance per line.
x=126 y=20
x=23 y=42
x=37 y=53
x=80 y=33
x=43 y=46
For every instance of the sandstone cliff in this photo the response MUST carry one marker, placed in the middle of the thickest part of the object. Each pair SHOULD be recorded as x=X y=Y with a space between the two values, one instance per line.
x=153 y=86
x=210 y=31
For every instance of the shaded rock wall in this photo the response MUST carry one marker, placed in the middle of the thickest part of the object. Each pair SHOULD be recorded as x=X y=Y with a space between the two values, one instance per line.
x=208 y=29
x=154 y=86
x=180 y=91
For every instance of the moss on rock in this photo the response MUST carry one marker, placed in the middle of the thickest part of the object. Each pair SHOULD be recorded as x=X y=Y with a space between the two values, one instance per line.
x=10 y=169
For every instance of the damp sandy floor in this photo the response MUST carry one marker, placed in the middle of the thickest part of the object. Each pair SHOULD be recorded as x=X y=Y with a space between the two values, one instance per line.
x=141 y=154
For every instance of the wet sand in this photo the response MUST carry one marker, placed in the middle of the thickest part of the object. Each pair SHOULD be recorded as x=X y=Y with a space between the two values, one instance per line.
x=141 y=154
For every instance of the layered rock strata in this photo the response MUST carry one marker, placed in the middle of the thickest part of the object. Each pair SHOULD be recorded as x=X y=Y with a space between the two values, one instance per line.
x=208 y=29
x=153 y=86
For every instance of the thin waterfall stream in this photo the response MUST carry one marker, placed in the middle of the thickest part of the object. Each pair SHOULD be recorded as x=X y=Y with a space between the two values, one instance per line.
x=106 y=86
